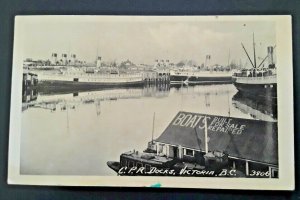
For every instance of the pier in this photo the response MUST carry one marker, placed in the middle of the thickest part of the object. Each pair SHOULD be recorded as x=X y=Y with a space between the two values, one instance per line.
x=156 y=77
x=29 y=80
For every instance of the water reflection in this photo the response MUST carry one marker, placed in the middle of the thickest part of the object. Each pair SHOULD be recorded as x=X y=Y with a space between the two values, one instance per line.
x=53 y=102
x=257 y=108
x=77 y=133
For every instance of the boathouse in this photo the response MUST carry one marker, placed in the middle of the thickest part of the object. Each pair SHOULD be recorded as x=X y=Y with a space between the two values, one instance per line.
x=251 y=145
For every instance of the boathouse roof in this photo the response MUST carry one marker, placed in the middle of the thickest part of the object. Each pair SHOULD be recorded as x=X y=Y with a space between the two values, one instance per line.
x=248 y=139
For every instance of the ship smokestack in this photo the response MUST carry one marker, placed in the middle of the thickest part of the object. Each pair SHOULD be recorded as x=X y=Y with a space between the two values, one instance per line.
x=167 y=63
x=54 y=58
x=98 y=62
x=73 y=58
x=162 y=63
x=156 y=64
x=270 y=55
x=64 y=59
x=207 y=61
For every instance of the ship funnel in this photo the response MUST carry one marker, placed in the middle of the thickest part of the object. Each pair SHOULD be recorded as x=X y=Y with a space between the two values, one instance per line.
x=270 y=55
x=73 y=56
x=54 y=58
x=167 y=63
x=64 y=59
x=98 y=62
x=156 y=64
x=207 y=60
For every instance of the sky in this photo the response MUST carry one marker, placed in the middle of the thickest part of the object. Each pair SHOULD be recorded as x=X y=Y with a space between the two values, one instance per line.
x=145 y=40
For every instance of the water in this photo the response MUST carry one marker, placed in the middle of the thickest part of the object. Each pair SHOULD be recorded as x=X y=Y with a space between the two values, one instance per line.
x=77 y=133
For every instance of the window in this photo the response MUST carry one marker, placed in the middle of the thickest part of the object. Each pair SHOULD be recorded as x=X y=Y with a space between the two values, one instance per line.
x=148 y=167
x=139 y=165
x=130 y=164
x=123 y=162
x=189 y=152
x=274 y=173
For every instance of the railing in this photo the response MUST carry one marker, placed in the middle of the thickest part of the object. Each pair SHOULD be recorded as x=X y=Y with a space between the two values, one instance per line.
x=256 y=80
x=85 y=77
x=199 y=73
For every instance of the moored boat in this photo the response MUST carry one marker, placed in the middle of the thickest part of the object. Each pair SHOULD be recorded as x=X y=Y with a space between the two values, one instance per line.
x=200 y=77
x=83 y=80
x=259 y=81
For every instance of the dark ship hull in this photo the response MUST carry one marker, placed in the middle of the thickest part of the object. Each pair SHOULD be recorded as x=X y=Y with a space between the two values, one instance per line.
x=70 y=86
x=194 y=80
x=268 y=91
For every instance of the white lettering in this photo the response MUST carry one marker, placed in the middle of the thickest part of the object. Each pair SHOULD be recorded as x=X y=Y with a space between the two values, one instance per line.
x=178 y=120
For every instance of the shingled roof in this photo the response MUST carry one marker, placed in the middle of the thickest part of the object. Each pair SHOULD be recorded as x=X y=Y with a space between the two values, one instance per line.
x=242 y=138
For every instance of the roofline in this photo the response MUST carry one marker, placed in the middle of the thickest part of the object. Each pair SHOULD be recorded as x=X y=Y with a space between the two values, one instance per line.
x=182 y=111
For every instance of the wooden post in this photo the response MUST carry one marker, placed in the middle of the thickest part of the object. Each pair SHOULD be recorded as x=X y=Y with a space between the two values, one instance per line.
x=233 y=165
x=247 y=168
x=153 y=127
x=167 y=150
x=180 y=151
x=206 y=142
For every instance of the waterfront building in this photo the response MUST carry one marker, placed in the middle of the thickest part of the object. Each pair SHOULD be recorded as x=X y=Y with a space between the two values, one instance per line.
x=251 y=145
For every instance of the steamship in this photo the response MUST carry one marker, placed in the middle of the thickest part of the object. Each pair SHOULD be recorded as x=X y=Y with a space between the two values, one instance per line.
x=211 y=75
x=66 y=74
x=200 y=77
x=259 y=81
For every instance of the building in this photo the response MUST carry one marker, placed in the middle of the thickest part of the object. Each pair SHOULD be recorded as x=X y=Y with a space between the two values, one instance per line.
x=251 y=145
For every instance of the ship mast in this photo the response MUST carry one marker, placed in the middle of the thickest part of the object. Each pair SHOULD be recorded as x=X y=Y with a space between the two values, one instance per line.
x=248 y=56
x=206 y=139
x=229 y=60
x=153 y=127
x=254 y=52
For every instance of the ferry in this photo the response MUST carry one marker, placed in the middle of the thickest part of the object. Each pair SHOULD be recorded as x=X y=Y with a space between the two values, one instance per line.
x=194 y=77
x=65 y=78
x=259 y=81
x=71 y=74
x=204 y=145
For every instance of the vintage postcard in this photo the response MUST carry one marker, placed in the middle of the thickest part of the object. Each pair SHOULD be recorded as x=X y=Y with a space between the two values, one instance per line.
x=152 y=101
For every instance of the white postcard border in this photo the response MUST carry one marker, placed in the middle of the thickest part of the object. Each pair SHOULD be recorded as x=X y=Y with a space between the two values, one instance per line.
x=286 y=180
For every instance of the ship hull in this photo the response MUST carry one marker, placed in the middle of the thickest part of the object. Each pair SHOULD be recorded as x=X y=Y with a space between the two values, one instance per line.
x=47 y=86
x=268 y=91
x=195 y=80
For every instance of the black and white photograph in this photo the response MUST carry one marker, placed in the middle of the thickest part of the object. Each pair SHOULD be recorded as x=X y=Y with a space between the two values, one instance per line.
x=156 y=101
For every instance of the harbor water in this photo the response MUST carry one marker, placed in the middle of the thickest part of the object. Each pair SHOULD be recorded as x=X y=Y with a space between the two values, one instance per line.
x=77 y=133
